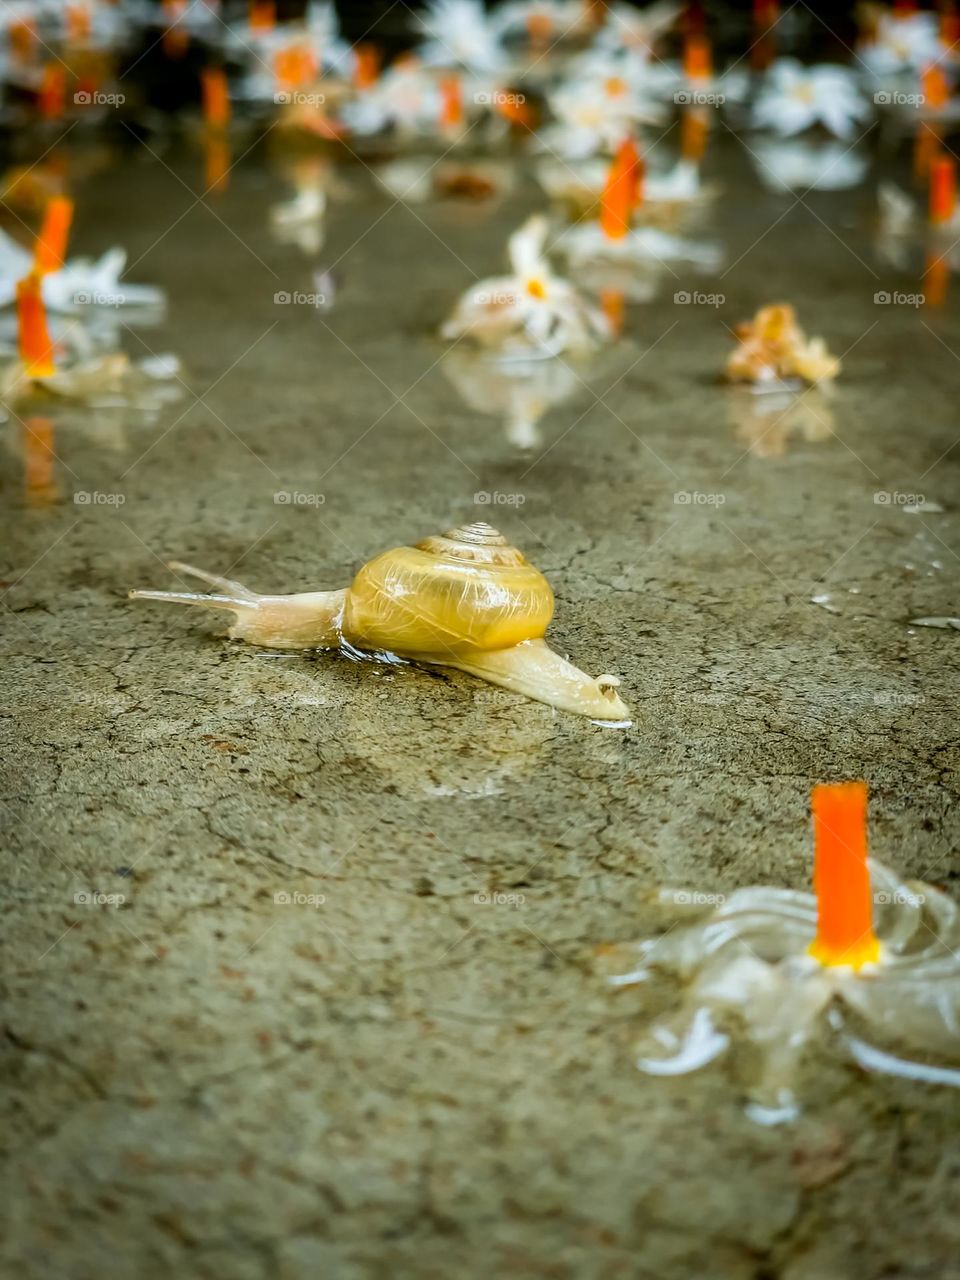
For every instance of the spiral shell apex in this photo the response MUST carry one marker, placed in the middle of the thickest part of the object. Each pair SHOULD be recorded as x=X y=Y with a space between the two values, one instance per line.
x=463 y=591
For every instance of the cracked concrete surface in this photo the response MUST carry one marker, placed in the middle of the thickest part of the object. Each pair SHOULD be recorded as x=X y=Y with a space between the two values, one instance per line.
x=385 y=1077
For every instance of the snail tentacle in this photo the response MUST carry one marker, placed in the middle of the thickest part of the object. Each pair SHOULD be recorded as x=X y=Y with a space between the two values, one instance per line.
x=533 y=669
x=307 y=620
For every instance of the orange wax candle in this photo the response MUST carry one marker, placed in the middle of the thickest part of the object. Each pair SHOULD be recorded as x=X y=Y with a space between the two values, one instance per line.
x=294 y=66
x=78 y=23
x=621 y=191
x=53 y=91
x=697 y=58
x=367 y=69
x=935 y=88
x=51 y=249
x=263 y=16
x=841 y=878
x=451 y=102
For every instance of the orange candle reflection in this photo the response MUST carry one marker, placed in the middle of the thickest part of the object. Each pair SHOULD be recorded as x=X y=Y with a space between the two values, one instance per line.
x=40 y=486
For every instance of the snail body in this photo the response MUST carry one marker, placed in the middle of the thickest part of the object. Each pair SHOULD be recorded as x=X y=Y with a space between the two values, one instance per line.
x=463 y=599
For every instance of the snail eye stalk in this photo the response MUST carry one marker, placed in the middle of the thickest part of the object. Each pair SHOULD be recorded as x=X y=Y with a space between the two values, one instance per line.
x=841 y=878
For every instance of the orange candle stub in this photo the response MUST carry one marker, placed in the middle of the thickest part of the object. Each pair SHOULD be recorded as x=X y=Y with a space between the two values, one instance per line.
x=935 y=88
x=294 y=66
x=943 y=189
x=263 y=16
x=841 y=878
x=620 y=194
x=36 y=345
x=22 y=35
x=78 y=23
x=367 y=69
x=949 y=26
x=451 y=103
x=51 y=250
x=216 y=97
x=697 y=58
x=176 y=37
x=53 y=91
x=539 y=30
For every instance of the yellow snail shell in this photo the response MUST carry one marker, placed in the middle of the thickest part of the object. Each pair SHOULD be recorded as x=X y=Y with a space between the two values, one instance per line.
x=464 y=599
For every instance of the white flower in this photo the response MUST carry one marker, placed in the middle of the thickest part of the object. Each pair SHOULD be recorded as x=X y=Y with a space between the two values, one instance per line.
x=460 y=34
x=80 y=282
x=800 y=166
x=583 y=184
x=637 y=29
x=587 y=243
x=555 y=19
x=907 y=42
x=595 y=114
x=532 y=311
x=323 y=30
x=406 y=96
x=317 y=35
x=794 y=98
x=747 y=966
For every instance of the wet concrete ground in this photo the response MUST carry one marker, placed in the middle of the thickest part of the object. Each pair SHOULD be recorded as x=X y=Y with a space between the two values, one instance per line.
x=415 y=1077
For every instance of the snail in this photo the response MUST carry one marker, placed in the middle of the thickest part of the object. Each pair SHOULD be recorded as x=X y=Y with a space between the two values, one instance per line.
x=463 y=599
